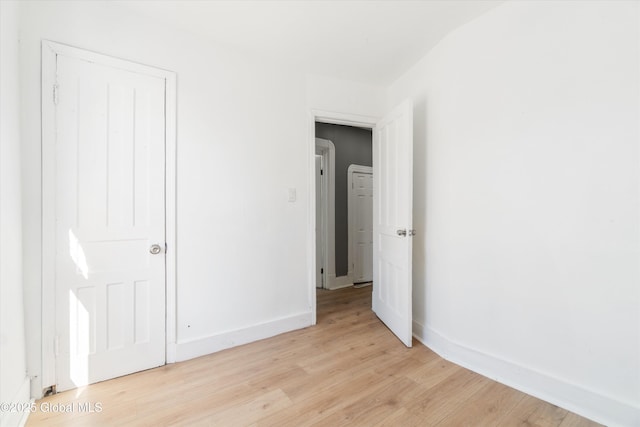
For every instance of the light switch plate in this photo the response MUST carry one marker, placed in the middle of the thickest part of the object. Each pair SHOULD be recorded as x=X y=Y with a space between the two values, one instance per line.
x=292 y=195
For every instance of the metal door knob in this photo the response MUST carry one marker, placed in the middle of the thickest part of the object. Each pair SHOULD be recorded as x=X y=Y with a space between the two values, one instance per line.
x=155 y=249
x=401 y=232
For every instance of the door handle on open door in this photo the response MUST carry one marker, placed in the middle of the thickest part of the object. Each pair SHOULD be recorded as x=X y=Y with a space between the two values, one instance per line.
x=155 y=249
x=401 y=232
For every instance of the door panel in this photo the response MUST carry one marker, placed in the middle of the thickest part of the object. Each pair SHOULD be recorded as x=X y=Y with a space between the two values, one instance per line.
x=392 y=220
x=363 y=219
x=110 y=291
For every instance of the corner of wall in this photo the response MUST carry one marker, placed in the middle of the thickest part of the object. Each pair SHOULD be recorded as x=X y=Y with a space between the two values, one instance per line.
x=15 y=384
x=23 y=402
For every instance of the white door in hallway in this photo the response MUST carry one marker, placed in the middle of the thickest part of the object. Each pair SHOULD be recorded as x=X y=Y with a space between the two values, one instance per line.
x=109 y=221
x=392 y=220
x=362 y=189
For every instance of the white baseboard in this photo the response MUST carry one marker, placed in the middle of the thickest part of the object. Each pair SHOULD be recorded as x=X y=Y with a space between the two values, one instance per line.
x=588 y=403
x=199 y=347
x=341 y=282
x=344 y=285
x=22 y=397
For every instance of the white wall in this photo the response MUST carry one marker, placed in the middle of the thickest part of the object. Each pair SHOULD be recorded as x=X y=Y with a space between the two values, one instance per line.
x=241 y=132
x=14 y=383
x=243 y=139
x=526 y=266
x=347 y=97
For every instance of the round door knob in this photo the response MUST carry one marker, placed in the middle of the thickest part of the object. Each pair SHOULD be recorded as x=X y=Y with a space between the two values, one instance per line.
x=155 y=249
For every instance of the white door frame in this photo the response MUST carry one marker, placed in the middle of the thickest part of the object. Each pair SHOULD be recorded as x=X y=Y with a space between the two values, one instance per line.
x=337 y=119
x=351 y=218
x=50 y=50
x=327 y=150
x=320 y=222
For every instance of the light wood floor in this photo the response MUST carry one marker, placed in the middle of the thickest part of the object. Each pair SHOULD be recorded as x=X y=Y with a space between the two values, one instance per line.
x=347 y=370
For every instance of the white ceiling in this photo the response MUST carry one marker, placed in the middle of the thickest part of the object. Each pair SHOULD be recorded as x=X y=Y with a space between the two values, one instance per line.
x=368 y=41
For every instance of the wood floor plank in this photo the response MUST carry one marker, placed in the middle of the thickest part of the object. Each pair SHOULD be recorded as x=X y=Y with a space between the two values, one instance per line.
x=375 y=404
x=442 y=399
x=573 y=420
x=250 y=409
x=529 y=412
x=484 y=408
x=348 y=370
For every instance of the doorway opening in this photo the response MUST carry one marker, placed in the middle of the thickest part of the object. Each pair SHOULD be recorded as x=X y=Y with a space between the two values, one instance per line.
x=344 y=205
x=392 y=192
x=343 y=146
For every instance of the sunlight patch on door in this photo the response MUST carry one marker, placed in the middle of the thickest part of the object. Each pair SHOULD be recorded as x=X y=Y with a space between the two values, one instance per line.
x=77 y=255
x=82 y=341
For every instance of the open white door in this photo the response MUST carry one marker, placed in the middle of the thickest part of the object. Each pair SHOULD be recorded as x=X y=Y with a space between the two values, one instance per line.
x=392 y=220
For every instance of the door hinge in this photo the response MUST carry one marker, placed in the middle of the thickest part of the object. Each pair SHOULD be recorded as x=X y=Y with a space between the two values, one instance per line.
x=322 y=271
x=55 y=94
x=321 y=172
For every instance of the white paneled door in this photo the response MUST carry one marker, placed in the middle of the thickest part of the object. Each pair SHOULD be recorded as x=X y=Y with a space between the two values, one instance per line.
x=362 y=188
x=110 y=221
x=392 y=220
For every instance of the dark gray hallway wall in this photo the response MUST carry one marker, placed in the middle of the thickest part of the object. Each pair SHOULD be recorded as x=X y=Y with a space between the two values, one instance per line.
x=353 y=147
